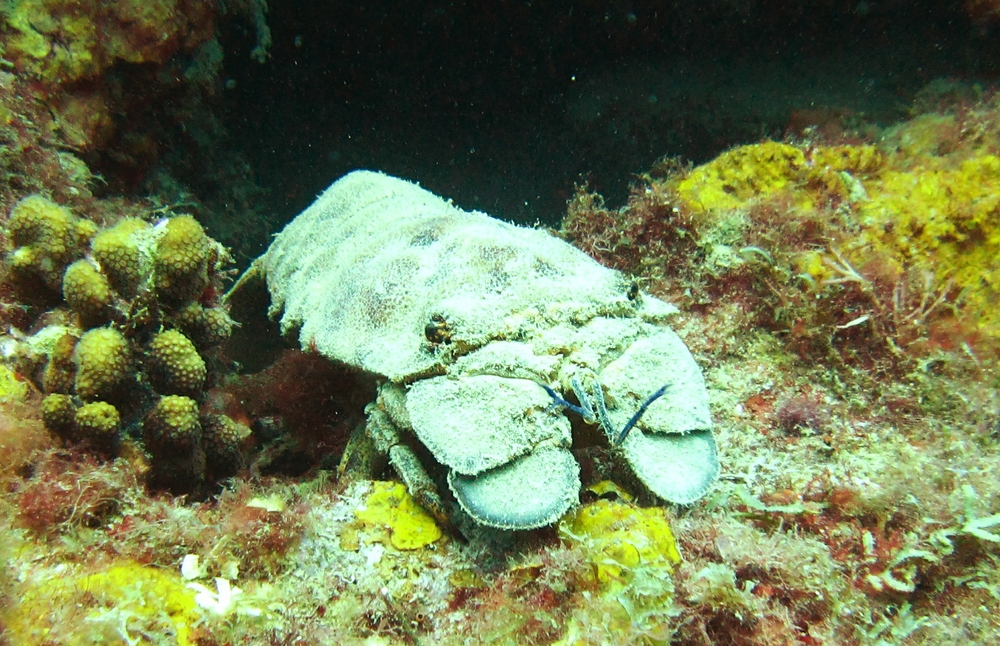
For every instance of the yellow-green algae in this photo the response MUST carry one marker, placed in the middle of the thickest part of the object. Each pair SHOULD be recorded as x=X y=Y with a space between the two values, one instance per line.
x=633 y=554
x=390 y=507
x=62 y=41
x=746 y=175
x=943 y=220
x=914 y=204
x=12 y=388
x=122 y=603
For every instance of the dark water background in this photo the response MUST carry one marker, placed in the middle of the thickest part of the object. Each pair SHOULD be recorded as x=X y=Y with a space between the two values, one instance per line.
x=503 y=106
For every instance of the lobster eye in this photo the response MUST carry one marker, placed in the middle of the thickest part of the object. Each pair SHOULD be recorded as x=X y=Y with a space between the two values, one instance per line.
x=437 y=330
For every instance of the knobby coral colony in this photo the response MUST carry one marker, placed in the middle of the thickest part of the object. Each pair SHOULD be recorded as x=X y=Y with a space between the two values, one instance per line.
x=130 y=316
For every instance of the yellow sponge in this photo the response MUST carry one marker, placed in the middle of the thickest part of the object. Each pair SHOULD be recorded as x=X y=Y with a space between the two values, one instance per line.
x=741 y=174
x=619 y=537
x=390 y=508
x=78 y=606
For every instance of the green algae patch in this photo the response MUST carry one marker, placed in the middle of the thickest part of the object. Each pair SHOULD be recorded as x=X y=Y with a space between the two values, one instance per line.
x=125 y=603
x=391 y=508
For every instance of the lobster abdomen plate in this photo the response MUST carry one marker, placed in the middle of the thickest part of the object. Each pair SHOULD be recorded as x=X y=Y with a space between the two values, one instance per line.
x=362 y=271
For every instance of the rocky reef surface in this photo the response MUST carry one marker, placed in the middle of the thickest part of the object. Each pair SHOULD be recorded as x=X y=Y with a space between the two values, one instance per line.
x=168 y=469
x=849 y=355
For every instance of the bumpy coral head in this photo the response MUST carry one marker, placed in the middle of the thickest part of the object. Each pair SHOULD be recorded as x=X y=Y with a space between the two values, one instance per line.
x=184 y=258
x=103 y=364
x=59 y=413
x=97 y=424
x=174 y=365
x=172 y=425
x=221 y=439
x=122 y=254
x=206 y=326
x=45 y=238
x=88 y=293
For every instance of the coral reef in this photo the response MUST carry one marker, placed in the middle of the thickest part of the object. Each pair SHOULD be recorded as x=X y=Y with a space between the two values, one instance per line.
x=114 y=354
x=23 y=435
x=45 y=238
x=129 y=87
x=858 y=502
x=103 y=361
x=63 y=42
